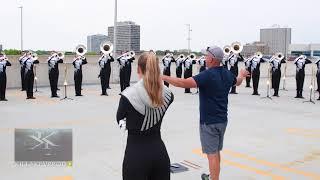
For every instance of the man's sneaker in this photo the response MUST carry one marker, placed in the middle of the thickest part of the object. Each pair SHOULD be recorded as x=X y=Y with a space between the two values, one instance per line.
x=205 y=177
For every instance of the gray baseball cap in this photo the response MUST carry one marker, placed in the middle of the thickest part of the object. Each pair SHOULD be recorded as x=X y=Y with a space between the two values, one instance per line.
x=214 y=51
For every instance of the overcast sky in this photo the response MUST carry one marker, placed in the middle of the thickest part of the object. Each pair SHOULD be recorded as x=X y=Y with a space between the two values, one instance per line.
x=63 y=24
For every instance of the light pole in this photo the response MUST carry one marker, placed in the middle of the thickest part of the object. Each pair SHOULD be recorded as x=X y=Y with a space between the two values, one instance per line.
x=21 y=28
x=115 y=28
x=189 y=38
x=115 y=73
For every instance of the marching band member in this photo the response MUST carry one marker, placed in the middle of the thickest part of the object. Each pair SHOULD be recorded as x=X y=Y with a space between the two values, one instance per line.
x=53 y=62
x=29 y=74
x=77 y=63
x=255 y=71
x=300 y=63
x=122 y=60
x=276 y=73
x=130 y=59
x=202 y=63
x=179 y=63
x=141 y=111
x=188 y=63
x=233 y=60
x=318 y=76
x=22 y=59
x=166 y=61
x=3 y=76
x=247 y=63
x=224 y=61
x=105 y=71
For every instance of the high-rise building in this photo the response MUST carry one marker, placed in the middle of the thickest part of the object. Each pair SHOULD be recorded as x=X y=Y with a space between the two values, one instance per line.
x=128 y=36
x=277 y=38
x=94 y=41
x=250 y=49
x=0 y=47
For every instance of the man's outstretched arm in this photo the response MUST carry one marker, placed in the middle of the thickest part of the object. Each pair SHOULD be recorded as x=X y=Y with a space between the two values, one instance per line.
x=179 y=82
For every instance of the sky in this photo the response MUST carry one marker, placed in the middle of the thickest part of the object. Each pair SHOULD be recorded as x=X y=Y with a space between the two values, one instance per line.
x=63 y=24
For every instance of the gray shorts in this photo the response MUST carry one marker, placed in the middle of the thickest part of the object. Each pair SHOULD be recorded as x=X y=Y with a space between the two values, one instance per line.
x=211 y=137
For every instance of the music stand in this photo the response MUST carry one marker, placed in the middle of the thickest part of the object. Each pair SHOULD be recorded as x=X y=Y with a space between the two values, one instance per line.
x=268 y=86
x=311 y=88
x=65 y=84
x=284 y=78
x=36 y=79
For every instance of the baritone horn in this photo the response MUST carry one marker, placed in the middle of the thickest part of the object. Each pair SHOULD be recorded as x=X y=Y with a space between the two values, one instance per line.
x=181 y=56
x=34 y=56
x=226 y=50
x=131 y=54
x=279 y=56
x=60 y=55
x=81 y=50
x=236 y=47
x=259 y=54
x=192 y=56
x=106 y=48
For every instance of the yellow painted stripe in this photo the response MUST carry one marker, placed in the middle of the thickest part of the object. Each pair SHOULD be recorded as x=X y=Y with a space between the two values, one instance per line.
x=60 y=178
x=244 y=167
x=270 y=164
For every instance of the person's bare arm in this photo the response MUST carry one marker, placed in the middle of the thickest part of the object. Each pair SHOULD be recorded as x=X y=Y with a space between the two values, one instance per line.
x=179 y=82
x=242 y=75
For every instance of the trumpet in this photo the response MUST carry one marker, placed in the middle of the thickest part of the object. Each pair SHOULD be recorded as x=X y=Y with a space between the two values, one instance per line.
x=81 y=50
x=106 y=48
x=226 y=50
x=236 y=47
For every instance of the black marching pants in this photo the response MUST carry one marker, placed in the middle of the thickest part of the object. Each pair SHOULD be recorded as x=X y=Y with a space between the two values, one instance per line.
x=122 y=79
x=248 y=79
x=53 y=78
x=318 y=82
x=22 y=73
x=29 y=81
x=128 y=75
x=234 y=71
x=103 y=81
x=166 y=72
x=78 y=82
x=300 y=82
x=276 y=77
x=179 y=72
x=108 y=73
x=145 y=159
x=255 y=81
x=187 y=74
x=3 y=85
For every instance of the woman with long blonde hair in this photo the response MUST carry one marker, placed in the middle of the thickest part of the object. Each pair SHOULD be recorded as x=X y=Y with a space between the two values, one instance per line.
x=141 y=110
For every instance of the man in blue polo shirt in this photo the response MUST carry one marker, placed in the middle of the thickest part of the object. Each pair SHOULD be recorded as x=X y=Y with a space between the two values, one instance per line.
x=214 y=85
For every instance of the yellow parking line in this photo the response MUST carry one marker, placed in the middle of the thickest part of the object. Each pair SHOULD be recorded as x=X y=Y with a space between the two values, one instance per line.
x=244 y=167
x=60 y=178
x=313 y=133
x=270 y=164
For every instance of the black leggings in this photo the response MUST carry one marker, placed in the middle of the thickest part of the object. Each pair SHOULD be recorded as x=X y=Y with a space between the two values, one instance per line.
x=146 y=158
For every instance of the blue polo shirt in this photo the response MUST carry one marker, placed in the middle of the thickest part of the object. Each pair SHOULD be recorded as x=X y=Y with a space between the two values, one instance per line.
x=214 y=85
